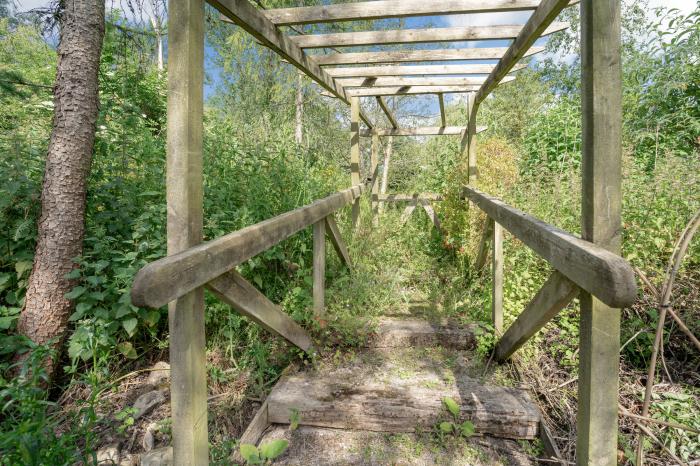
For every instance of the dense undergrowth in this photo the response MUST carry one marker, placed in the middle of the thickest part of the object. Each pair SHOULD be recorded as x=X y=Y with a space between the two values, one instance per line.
x=254 y=170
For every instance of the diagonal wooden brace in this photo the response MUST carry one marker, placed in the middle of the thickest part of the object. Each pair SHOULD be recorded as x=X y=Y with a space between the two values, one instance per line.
x=337 y=240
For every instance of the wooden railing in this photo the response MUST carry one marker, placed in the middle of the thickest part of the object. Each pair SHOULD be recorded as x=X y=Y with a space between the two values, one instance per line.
x=579 y=264
x=212 y=264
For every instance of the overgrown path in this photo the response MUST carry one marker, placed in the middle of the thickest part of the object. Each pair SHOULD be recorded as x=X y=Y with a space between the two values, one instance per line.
x=415 y=391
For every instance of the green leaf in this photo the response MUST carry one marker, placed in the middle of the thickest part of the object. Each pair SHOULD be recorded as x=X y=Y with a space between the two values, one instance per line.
x=258 y=281
x=6 y=322
x=467 y=429
x=130 y=325
x=446 y=427
x=250 y=453
x=21 y=267
x=152 y=318
x=75 y=292
x=294 y=419
x=4 y=280
x=127 y=349
x=451 y=406
x=273 y=449
x=123 y=310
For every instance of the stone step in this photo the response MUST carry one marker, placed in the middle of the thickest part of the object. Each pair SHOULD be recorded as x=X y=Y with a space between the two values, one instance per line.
x=403 y=333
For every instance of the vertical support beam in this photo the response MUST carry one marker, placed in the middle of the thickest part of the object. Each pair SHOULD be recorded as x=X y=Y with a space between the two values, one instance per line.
x=188 y=390
x=385 y=171
x=374 y=162
x=497 y=274
x=601 y=223
x=355 y=154
x=319 y=268
x=443 y=117
x=471 y=138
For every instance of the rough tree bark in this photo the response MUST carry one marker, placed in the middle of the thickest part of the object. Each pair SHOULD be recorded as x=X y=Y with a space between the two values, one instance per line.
x=61 y=224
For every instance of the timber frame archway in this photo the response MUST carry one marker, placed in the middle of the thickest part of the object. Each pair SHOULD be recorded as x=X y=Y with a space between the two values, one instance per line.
x=588 y=267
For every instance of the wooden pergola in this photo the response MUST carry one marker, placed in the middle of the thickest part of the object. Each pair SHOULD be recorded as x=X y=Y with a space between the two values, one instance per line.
x=588 y=267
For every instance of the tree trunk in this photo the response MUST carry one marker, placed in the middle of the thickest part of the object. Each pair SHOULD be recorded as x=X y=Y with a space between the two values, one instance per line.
x=299 y=129
x=157 y=14
x=385 y=170
x=61 y=225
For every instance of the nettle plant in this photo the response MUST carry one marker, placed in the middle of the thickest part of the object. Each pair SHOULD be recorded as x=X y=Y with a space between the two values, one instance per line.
x=464 y=429
x=264 y=454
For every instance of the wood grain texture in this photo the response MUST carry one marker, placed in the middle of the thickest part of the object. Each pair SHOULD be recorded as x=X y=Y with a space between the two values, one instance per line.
x=184 y=187
x=409 y=81
x=593 y=268
x=253 y=433
x=355 y=155
x=171 y=277
x=411 y=70
x=400 y=56
x=319 y=268
x=483 y=250
x=391 y=9
x=238 y=293
x=555 y=295
x=497 y=279
x=443 y=116
x=413 y=333
x=334 y=235
x=541 y=19
x=412 y=36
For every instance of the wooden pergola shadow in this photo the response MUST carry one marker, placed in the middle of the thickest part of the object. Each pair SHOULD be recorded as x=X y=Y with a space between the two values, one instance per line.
x=588 y=267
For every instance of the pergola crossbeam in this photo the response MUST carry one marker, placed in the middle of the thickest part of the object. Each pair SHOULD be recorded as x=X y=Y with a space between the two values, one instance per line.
x=402 y=56
x=389 y=115
x=420 y=131
x=412 y=70
x=389 y=81
x=409 y=90
x=415 y=36
x=391 y=9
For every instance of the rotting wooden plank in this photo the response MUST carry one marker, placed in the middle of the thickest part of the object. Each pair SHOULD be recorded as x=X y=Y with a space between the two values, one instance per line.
x=168 y=278
x=470 y=133
x=355 y=155
x=497 y=279
x=254 y=22
x=238 y=293
x=422 y=131
x=538 y=23
x=483 y=250
x=555 y=295
x=391 y=9
x=592 y=267
x=443 y=116
x=411 y=36
x=400 y=56
x=389 y=115
x=188 y=390
x=412 y=70
x=601 y=89
x=412 y=333
x=410 y=197
x=337 y=241
x=380 y=401
x=253 y=433
x=319 y=268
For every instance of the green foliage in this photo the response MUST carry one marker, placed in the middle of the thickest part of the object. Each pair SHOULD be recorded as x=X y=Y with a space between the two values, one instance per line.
x=460 y=429
x=265 y=454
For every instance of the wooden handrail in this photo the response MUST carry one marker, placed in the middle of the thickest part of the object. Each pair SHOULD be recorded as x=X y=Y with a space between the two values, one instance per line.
x=605 y=275
x=168 y=278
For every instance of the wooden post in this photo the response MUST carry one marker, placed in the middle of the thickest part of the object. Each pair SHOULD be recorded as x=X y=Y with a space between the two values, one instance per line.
x=497 y=273
x=319 y=268
x=188 y=389
x=601 y=223
x=374 y=162
x=471 y=138
x=355 y=154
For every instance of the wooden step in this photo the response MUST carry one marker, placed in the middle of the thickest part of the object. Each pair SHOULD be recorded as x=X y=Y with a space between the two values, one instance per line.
x=403 y=333
x=401 y=391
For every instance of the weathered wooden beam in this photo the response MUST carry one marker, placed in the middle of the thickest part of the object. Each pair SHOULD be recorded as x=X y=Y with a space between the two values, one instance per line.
x=253 y=432
x=470 y=134
x=166 y=279
x=389 y=115
x=412 y=70
x=555 y=295
x=401 y=56
x=374 y=166
x=592 y=267
x=431 y=213
x=184 y=186
x=254 y=22
x=410 y=81
x=538 y=23
x=497 y=279
x=412 y=36
x=408 y=211
x=240 y=294
x=443 y=115
x=355 y=155
x=409 y=90
x=410 y=197
x=601 y=89
x=319 y=268
x=391 y=9
x=337 y=241
x=422 y=131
